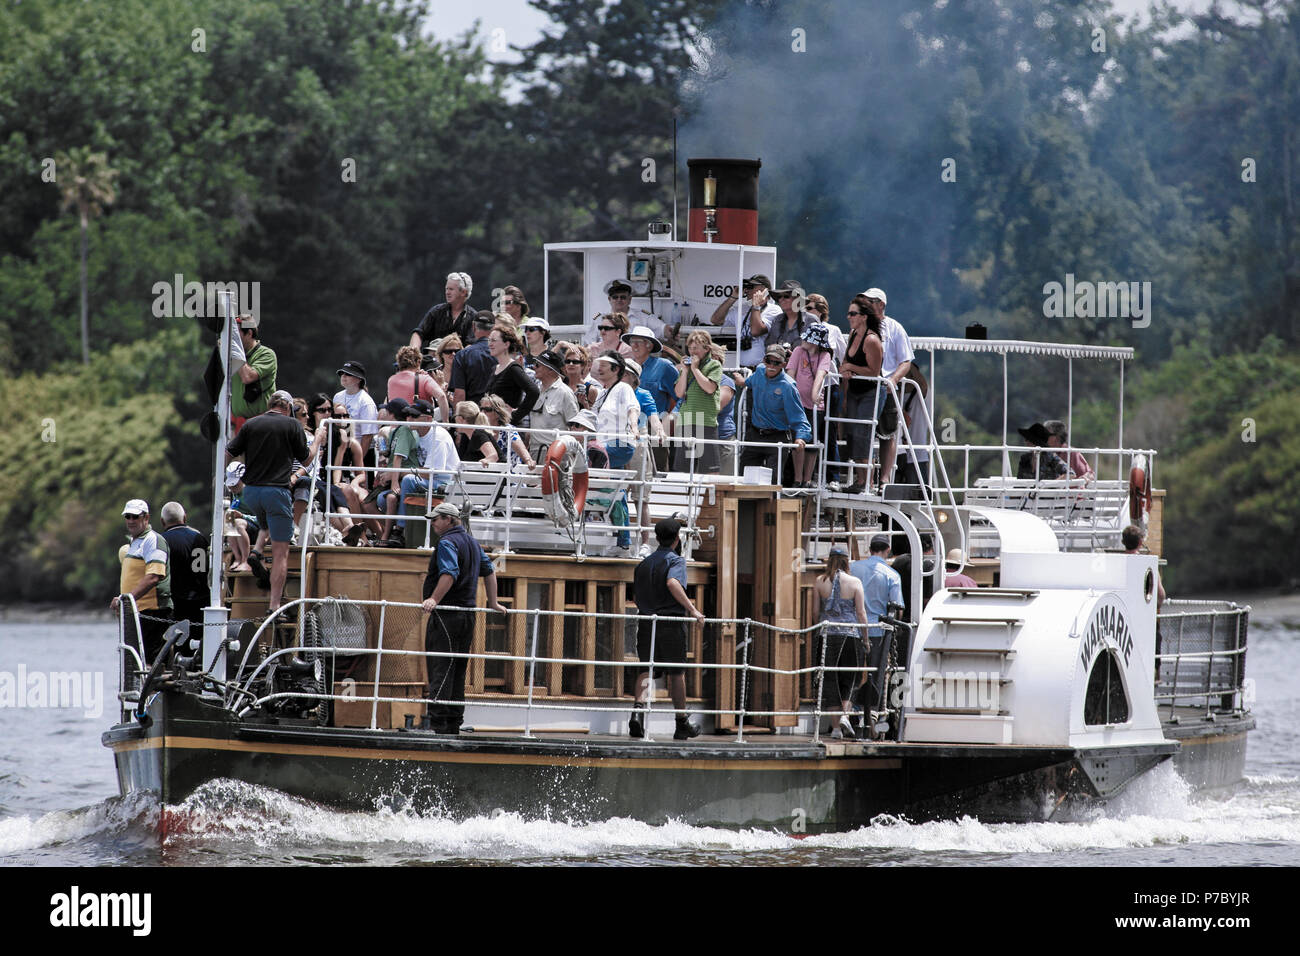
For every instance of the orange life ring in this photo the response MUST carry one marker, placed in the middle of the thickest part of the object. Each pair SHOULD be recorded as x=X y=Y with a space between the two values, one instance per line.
x=552 y=474
x=1139 y=493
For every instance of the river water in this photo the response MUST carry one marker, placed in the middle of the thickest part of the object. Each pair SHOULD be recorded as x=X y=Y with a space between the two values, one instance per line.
x=59 y=803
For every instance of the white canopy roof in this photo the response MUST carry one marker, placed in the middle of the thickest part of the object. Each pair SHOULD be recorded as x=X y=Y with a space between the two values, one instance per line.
x=1016 y=346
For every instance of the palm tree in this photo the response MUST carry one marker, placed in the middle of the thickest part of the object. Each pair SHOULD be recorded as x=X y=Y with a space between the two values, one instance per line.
x=87 y=185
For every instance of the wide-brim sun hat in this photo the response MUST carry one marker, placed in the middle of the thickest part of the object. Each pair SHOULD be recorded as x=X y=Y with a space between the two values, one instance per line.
x=643 y=332
x=1035 y=434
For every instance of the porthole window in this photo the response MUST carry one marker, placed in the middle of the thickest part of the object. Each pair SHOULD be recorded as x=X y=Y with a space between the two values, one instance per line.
x=1104 y=702
x=1149 y=585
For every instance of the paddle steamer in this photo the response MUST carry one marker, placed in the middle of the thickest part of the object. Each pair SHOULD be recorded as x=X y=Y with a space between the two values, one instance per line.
x=1028 y=698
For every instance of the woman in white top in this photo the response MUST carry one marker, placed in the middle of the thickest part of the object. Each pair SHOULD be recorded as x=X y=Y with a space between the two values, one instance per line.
x=617 y=410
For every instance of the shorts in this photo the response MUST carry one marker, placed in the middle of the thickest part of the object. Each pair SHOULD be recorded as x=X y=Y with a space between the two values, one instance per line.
x=273 y=507
x=669 y=641
x=887 y=424
x=338 y=501
x=620 y=453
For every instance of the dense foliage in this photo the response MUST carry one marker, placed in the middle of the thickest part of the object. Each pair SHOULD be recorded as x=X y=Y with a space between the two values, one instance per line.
x=959 y=155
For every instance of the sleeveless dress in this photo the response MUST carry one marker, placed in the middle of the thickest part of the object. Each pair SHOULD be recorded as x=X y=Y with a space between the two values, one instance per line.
x=842 y=646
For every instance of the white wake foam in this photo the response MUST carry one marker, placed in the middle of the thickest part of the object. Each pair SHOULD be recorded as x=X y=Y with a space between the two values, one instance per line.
x=113 y=816
x=1156 y=810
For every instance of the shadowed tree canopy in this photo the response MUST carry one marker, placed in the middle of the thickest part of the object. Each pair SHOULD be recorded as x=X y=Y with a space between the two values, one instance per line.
x=959 y=155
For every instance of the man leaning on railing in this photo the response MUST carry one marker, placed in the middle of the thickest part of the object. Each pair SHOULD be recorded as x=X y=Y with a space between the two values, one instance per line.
x=776 y=414
x=450 y=592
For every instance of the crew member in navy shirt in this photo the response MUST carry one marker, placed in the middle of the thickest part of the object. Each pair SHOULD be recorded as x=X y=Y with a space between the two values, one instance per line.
x=659 y=587
x=450 y=591
x=471 y=370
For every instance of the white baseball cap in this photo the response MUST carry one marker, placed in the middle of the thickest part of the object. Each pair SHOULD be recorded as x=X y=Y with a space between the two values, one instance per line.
x=136 y=506
x=874 y=293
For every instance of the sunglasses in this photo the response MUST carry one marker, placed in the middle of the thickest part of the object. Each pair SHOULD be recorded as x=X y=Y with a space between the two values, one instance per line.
x=342 y=415
x=573 y=361
x=323 y=409
x=620 y=295
x=133 y=517
x=855 y=313
x=449 y=351
x=784 y=295
x=302 y=414
x=509 y=302
x=607 y=328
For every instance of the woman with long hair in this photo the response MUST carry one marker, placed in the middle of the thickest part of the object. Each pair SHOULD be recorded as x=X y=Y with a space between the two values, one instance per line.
x=348 y=473
x=446 y=351
x=514 y=304
x=511 y=381
x=697 y=386
x=842 y=608
x=862 y=361
x=510 y=447
x=300 y=478
x=473 y=441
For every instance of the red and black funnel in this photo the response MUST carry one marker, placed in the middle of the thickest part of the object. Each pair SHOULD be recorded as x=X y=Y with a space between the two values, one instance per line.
x=724 y=201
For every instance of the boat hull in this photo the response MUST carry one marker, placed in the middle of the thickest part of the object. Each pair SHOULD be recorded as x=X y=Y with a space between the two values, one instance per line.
x=1212 y=753
x=797 y=787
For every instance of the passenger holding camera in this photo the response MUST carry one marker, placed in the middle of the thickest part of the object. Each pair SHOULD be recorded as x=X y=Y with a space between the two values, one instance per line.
x=697 y=387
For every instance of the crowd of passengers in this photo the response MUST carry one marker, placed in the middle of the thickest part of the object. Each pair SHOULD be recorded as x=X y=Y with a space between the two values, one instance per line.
x=468 y=379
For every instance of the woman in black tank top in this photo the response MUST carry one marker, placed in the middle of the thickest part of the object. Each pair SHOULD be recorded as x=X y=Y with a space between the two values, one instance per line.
x=862 y=361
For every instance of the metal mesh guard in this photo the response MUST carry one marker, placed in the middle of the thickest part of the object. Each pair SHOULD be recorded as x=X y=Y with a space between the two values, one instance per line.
x=343 y=625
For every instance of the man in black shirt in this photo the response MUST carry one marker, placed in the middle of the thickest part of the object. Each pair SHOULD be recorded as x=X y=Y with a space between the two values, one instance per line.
x=454 y=315
x=659 y=586
x=188 y=548
x=270 y=443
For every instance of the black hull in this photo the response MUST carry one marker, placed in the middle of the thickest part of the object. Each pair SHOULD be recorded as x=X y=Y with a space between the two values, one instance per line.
x=796 y=787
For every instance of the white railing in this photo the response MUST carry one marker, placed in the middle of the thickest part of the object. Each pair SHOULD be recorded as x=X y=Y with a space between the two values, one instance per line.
x=1201 y=656
x=245 y=696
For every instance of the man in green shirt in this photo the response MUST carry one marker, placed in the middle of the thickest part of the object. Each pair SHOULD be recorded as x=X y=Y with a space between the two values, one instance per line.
x=250 y=392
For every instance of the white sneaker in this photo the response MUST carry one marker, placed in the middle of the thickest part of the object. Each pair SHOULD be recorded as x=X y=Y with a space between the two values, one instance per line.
x=647 y=549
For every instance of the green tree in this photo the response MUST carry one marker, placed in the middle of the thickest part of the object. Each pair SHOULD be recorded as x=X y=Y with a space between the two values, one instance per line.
x=87 y=188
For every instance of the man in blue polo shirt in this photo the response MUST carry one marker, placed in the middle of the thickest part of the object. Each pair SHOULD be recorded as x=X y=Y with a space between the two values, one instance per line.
x=881 y=586
x=450 y=592
x=776 y=413
x=471 y=370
